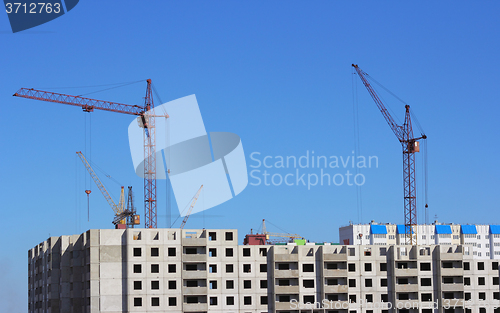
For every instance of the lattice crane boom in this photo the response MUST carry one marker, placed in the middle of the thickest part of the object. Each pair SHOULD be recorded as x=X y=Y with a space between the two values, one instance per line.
x=193 y=202
x=147 y=121
x=99 y=184
x=396 y=129
x=87 y=104
x=410 y=145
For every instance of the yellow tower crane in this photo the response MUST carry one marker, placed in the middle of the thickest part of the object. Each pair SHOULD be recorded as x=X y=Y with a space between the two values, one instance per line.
x=122 y=214
x=281 y=235
x=193 y=202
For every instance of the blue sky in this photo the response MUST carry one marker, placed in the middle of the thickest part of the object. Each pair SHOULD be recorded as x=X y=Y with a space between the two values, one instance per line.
x=279 y=75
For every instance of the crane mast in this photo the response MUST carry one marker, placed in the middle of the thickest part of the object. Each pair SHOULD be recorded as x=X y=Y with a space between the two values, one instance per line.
x=410 y=145
x=147 y=121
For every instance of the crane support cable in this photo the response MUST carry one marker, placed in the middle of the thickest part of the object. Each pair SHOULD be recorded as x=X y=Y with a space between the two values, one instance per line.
x=99 y=183
x=101 y=90
x=355 y=109
x=93 y=86
x=417 y=122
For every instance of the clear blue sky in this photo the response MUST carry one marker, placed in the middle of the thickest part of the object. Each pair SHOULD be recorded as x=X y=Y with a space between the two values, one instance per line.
x=276 y=73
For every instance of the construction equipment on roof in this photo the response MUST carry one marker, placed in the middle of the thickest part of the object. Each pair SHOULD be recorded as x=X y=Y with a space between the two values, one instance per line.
x=291 y=237
x=146 y=120
x=123 y=217
x=410 y=145
x=132 y=219
x=193 y=202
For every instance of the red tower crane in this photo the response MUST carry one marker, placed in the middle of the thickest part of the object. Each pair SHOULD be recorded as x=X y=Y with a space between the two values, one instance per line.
x=410 y=145
x=147 y=121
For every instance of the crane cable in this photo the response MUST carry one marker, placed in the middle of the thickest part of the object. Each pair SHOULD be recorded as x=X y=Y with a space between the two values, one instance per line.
x=355 y=110
x=278 y=227
x=395 y=116
x=426 y=187
x=89 y=190
x=92 y=86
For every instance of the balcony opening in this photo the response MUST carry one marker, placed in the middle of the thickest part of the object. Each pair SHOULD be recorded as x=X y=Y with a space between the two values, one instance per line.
x=263 y=252
x=172 y=268
x=425 y=266
x=171 y=252
x=263 y=268
x=212 y=236
x=191 y=251
x=155 y=252
x=137 y=301
x=308 y=299
x=403 y=296
x=425 y=282
x=426 y=297
x=213 y=300
x=283 y=282
x=283 y=266
x=283 y=298
x=155 y=301
x=308 y=283
x=137 y=252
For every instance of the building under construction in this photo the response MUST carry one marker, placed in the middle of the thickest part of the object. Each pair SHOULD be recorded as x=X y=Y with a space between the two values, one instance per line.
x=387 y=268
x=174 y=270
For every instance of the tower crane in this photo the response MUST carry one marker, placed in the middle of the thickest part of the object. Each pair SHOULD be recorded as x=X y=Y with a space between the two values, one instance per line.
x=146 y=120
x=281 y=235
x=122 y=216
x=132 y=219
x=410 y=145
x=193 y=202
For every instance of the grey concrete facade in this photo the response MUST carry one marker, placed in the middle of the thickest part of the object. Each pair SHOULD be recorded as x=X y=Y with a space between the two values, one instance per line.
x=482 y=244
x=158 y=270
x=148 y=270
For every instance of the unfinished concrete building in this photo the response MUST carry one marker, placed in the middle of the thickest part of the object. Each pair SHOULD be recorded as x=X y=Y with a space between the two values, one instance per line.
x=148 y=270
x=157 y=270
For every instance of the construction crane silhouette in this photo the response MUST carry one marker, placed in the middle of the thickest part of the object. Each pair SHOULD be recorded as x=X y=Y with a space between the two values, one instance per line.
x=125 y=217
x=147 y=121
x=410 y=145
x=190 y=209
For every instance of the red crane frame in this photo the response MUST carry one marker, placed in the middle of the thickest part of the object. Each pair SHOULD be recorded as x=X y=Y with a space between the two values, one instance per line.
x=148 y=121
x=409 y=144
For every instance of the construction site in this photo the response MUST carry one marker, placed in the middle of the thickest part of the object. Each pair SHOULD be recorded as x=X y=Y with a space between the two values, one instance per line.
x=374 y=268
